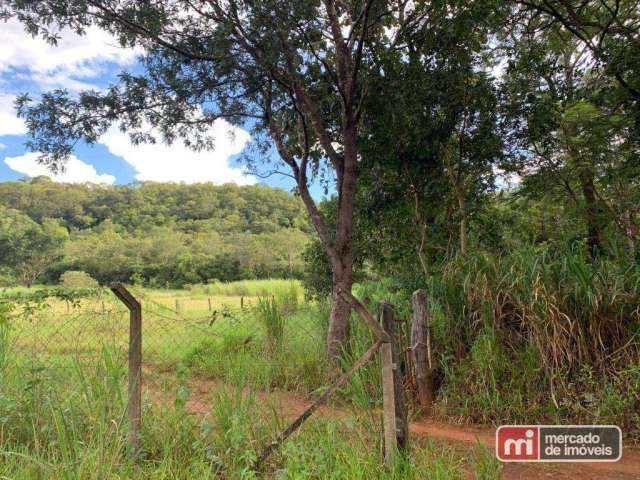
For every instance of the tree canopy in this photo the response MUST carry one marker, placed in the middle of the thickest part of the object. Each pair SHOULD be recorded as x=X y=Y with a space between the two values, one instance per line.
x=157 y=234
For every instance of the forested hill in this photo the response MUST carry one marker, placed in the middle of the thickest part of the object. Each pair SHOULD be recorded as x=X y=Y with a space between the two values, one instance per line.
x=156 y=233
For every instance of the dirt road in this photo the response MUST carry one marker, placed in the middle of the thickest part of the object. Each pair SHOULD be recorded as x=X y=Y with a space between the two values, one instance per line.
x=290 y=406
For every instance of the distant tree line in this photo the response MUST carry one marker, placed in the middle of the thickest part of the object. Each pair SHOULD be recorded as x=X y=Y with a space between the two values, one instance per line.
x=152 y=233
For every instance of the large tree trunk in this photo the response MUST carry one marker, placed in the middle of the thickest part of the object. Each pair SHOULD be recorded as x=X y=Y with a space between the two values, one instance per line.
x=342 y=265
x=594 y=235
x=338 y=331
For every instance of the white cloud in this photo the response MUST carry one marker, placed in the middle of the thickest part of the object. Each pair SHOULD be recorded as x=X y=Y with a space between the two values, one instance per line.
x=77 y=63
x=2 y=146
x=76 y=170
x=177 y=163
x=9 y=123
x=74 y=57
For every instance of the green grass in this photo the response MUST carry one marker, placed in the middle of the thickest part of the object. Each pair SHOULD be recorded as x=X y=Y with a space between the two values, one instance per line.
x=63 y=369
x=247 y=288
x=63 y=411
x=75 y=428
x=243 y=352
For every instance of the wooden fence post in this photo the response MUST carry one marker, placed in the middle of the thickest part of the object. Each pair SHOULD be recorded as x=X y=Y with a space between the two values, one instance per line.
x=134 y=403
x=421 y=350
x=209 y=299
x=396 y=428
x=242 y=303
x=177 y=305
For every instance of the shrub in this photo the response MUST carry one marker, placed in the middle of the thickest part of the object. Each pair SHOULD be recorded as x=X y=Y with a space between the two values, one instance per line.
x=77 y=279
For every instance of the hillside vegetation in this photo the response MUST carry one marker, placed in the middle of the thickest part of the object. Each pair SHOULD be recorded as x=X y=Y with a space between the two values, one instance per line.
x=156 y=234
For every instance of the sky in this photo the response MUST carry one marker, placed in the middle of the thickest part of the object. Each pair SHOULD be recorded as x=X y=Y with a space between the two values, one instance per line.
x=30 y=65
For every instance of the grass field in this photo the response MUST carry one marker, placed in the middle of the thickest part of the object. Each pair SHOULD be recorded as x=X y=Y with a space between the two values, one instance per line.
x=62 y=395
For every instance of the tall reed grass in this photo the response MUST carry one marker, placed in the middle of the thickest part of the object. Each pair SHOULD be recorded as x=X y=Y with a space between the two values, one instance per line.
x=269 y=313
x=539 y=334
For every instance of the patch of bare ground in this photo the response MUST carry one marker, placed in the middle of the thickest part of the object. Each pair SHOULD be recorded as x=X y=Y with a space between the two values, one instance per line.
x=461 y=437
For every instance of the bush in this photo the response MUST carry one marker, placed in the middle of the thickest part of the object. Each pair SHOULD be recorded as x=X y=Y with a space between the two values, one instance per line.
x=77 y=279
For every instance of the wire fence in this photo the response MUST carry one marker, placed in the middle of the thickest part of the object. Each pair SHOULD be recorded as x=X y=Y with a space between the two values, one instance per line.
x=61 y=333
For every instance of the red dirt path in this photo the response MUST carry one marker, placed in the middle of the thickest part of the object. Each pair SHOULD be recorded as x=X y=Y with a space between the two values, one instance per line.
x=290 y=406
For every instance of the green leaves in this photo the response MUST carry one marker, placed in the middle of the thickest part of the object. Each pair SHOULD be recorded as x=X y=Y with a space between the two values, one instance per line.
x=158 y=233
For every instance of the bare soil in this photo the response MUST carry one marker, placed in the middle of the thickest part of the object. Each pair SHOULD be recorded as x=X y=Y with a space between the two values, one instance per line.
x=462 y=437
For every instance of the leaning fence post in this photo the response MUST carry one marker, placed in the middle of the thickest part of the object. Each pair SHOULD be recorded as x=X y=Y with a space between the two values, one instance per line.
x=421 y=350
x=396 y=428
x=322 y=399
x=134 y=404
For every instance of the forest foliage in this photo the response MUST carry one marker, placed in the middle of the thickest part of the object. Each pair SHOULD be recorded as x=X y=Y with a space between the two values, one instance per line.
x=154 y=234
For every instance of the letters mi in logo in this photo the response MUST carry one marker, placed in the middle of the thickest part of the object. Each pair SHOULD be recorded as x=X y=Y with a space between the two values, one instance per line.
x=518 y=444
x=558 y=443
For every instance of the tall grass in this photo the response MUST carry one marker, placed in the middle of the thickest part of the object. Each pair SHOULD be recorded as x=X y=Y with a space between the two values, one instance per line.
x=538 y=335
x=72 y=426
x=269 y=314
x=245 y=351
x=248 y=288
x=67 y=419
x=5 y=309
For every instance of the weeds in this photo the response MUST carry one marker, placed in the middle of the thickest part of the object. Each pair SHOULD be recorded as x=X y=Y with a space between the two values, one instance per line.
x=270 y=314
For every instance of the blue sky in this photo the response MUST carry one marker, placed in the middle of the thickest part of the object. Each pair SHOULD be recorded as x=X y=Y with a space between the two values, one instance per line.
x=29 y=65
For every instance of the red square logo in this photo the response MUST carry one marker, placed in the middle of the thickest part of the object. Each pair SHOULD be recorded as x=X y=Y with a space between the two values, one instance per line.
x=517 y=444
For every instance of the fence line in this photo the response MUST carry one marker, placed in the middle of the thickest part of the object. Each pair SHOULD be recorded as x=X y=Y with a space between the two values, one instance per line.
x=82 y=331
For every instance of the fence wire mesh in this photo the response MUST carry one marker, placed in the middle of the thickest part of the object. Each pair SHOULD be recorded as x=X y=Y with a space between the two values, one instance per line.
x=55 y=334
x=264 y=342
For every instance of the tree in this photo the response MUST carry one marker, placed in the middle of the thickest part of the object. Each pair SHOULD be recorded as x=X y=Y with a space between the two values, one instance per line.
x=608 y=29
x=568 y=133
x=296 y=70
x=432 y=139
x=27 y=247
x=473 y=149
